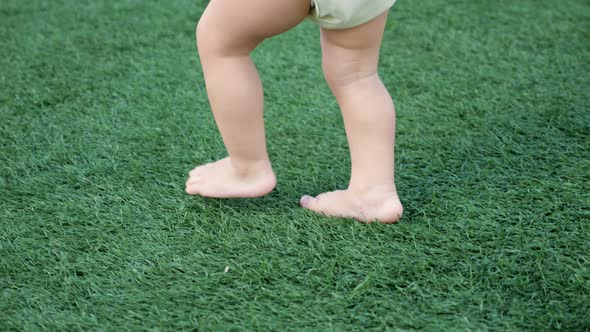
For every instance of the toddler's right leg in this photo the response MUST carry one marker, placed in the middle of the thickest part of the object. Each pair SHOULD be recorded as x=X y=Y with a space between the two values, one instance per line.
x=226 y=34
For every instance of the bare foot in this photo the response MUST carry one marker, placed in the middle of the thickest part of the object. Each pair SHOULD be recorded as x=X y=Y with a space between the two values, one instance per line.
x=221 y=179
x=384 y=207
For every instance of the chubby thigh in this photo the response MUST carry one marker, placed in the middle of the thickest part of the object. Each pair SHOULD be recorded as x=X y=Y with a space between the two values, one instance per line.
x=343 y=14
x=229 y=25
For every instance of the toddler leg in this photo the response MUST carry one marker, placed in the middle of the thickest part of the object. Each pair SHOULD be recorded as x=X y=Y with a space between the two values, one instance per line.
x=350 y=59
x=226 y=34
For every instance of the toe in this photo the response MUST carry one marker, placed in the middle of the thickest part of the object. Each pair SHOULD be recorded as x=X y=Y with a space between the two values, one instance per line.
x=312 y=203
x=327 y=204
x=191 y=190
x=197 y=171
x=192 y=180
x=195 y=178
x=306 y=201
x=192 y=187
x=194 y=172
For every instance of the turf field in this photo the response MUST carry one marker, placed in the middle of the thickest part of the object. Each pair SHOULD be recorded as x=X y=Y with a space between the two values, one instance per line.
x=103 y=111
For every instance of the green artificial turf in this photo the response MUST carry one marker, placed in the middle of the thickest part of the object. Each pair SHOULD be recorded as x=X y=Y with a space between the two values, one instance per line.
x=103 y=111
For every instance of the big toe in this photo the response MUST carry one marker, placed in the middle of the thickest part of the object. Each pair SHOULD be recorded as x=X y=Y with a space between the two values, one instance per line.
x=307 y=201
x=192 y=187
x=313 y=204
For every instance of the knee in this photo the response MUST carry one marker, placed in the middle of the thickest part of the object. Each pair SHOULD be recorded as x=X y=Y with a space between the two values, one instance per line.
x=340 y=73
x=332 y=73
x=204 y=36
x=215 y=40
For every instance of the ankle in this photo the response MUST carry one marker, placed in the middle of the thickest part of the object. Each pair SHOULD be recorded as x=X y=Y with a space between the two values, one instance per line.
x=250 y=167
x=372 y=191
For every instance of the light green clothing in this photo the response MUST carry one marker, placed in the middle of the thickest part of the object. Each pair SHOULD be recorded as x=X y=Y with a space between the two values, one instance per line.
x=342 y=14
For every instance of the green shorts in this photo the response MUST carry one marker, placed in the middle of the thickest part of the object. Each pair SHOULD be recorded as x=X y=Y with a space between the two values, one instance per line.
x=342 y=14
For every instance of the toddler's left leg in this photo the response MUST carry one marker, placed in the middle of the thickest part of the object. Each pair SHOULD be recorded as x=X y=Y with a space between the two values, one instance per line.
x=350 y=58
